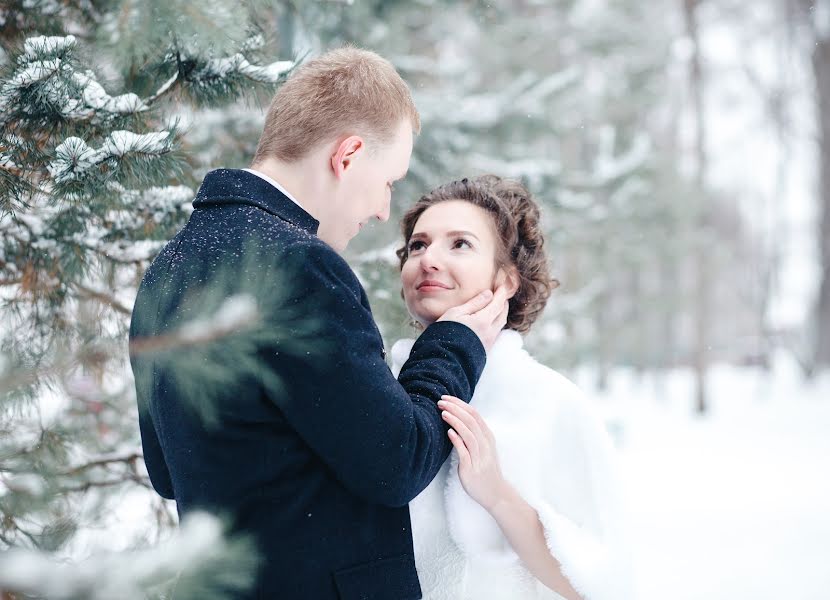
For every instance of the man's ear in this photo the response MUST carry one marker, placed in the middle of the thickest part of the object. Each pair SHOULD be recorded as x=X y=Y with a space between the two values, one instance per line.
x=345 y=152
x=509 y=276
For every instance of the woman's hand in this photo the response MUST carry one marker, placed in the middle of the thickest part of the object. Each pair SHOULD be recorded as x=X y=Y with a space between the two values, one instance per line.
x=478 y=461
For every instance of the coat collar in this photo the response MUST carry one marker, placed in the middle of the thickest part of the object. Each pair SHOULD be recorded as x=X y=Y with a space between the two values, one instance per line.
x=235 y=186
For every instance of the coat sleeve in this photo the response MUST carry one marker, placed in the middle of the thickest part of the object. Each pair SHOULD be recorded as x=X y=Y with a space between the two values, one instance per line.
x=589 y=542
x=153 y=457
x=383 y=438
x=143 y=374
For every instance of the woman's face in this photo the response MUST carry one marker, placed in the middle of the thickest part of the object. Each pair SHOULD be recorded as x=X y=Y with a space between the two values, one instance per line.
x=451 y=258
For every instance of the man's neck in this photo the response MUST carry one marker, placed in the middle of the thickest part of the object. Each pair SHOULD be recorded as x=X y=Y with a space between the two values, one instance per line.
x=274 y=183
x=296 y=180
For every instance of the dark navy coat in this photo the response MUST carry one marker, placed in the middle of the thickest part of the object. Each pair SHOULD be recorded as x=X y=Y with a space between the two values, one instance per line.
x=318 y=469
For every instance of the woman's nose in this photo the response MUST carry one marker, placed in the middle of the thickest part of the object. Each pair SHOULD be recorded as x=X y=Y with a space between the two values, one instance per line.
x=430 y=261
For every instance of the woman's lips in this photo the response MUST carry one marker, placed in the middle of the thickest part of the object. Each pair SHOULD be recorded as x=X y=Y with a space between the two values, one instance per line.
x=431 y=286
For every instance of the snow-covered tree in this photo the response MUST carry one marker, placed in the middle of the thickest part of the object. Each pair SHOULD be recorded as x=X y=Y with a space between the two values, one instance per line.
x=567 y=111
x=96 y=174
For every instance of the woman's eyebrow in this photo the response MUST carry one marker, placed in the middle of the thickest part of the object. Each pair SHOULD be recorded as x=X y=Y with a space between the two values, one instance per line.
x=425 y=236
x=459 y=232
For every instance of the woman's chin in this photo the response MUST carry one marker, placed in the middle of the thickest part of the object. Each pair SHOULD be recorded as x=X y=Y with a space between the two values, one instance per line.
x=426 y=321
x=425 y=318
x=426 y=313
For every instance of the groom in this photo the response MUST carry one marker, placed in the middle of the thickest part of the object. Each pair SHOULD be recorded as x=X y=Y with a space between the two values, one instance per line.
x=320 y=472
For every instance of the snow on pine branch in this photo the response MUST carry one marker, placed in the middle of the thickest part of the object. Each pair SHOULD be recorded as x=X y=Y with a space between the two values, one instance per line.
x=47 y=62
x=238 y=64
x=236 y=313
x=609 y=166
x=36 y=71
x=159 y=202
x=525 y=94
x=127 y=575
x=36 y=47
x=97 y=99
x=73 y=157
x=128 y=251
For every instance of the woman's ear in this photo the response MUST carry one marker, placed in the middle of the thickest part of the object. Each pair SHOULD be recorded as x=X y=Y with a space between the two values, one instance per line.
x=509 y=277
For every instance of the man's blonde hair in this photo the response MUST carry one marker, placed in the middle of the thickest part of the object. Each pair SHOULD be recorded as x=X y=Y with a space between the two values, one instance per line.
x=344 y=91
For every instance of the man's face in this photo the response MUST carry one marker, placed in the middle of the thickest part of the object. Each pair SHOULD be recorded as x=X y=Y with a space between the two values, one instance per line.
x=365 y=190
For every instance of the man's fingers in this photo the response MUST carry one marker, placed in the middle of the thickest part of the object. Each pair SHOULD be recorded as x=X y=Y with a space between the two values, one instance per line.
x=501 y=318
x=493 y=309
x=476 y=303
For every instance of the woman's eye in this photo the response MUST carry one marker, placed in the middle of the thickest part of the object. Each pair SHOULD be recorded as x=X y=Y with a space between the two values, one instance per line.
x=413 y=246
x=462 y=243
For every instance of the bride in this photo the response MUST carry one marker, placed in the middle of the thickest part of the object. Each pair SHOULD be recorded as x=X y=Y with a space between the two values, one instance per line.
x=527 y=506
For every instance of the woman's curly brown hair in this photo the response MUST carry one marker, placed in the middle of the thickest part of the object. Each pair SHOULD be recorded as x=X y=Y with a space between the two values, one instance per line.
x=516 y=217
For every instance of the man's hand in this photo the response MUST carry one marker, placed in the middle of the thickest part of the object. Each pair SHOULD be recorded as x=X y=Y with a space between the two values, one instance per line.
x=486 y=314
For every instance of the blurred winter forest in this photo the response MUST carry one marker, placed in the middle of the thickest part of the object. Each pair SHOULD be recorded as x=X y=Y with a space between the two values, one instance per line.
x=680 y=150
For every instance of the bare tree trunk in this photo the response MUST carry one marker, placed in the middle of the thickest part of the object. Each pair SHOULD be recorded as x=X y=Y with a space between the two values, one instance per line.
x=821 y=71
x=702 y=316
x=286 y=27
x=812 y=12
x=668 y=263
x=604 y=327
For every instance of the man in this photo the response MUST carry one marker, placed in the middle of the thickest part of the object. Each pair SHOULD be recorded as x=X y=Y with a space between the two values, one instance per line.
x=319 y=470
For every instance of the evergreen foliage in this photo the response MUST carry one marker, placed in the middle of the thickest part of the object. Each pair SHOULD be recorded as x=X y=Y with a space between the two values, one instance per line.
x=95 y=177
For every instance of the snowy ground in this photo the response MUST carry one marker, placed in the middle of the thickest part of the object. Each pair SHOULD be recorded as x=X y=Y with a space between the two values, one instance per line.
x=735 y=505
x=732 y=506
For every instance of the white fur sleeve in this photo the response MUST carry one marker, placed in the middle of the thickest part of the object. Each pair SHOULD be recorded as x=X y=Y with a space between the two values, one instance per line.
x=580 y=508
x=400 y=354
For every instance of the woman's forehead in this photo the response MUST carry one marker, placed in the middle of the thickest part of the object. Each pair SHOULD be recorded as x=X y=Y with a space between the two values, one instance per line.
x=452 y=216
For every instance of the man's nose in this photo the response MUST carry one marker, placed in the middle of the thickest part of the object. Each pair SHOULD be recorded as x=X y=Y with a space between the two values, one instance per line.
x=383 y=215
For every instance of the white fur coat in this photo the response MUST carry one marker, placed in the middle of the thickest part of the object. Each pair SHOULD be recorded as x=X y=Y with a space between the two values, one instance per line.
x=554 y=450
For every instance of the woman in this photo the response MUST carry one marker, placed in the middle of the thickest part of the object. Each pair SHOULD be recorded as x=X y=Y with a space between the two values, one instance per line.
x=526 y=507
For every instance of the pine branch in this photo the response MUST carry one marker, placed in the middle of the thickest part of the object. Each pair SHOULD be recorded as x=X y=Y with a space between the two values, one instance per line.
x=22 y=378
x=104 y=298
x=74 y=159
x=11 y=523
x=88 y=485
x=204 y=564
x=236 y=313
x=128 y=458
x=168 y=87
